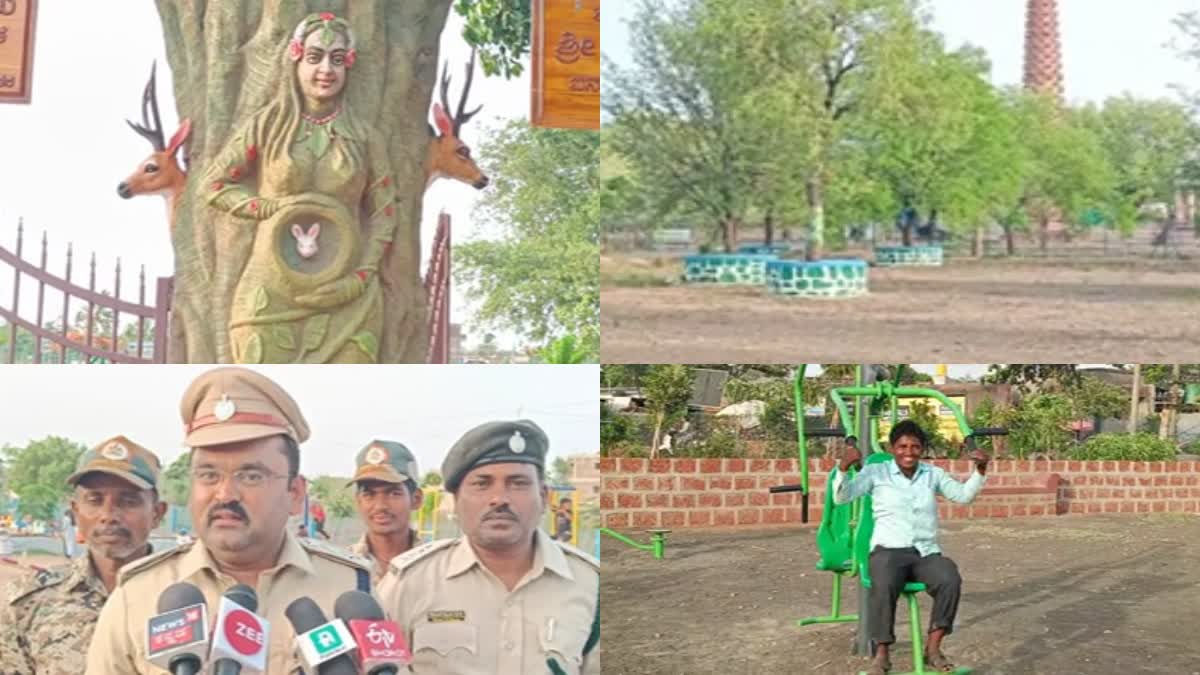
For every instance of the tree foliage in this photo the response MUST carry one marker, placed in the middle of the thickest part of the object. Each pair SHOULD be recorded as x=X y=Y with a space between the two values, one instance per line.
x=539 y=278
x=38 y=472
x=334 y=494
x=668 y=388
x=177 y=480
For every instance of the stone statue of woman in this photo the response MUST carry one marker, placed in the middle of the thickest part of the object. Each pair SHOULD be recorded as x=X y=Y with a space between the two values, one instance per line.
x=315 y=183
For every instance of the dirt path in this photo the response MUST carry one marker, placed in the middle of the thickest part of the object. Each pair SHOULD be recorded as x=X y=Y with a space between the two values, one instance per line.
x=964 y=312
x=1073 y=595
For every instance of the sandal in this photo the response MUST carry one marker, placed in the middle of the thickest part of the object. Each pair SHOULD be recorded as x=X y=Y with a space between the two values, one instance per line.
x=938 y=662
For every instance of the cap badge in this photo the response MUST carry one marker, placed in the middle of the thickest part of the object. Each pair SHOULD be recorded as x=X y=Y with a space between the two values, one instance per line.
x=517 y=442
x=376 y=455
x=115 y=451
x=224 y=409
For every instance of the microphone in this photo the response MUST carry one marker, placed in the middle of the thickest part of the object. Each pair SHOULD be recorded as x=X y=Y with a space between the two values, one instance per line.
x=177 y=637
x=240 y=637
x=382 y=649
x=322 y=644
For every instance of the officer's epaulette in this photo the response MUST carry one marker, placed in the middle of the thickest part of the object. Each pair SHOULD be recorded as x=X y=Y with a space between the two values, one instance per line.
x=331 y=552
x=39 y=580
x=406 y=559
x=581 y=554
x=142 y=564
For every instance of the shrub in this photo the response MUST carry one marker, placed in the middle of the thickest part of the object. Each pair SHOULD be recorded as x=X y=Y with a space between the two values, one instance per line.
x=1130 y=447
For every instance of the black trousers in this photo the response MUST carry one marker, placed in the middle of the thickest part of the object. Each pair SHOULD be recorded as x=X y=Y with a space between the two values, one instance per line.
x=891 y=568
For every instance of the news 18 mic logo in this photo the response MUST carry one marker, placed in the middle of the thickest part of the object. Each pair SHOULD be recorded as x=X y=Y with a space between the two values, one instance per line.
x=182 y=626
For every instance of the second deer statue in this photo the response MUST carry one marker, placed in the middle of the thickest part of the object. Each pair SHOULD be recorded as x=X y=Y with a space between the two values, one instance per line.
x=161 y=172
x=448 y=156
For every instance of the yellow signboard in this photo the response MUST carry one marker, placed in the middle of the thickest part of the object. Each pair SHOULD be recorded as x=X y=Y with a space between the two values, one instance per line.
x=16 y=49
x=947 y=423
x=566 y=64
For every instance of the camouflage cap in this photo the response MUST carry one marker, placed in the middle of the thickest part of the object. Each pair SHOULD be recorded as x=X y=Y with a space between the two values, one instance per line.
x=120 y=457
x=386 y=461
x=495 y=443
x=226 y=405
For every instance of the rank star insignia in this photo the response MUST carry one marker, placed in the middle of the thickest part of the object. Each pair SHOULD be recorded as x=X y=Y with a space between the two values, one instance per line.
x=376 y=455
x=224 y=409
x=517 y=442
x=116 y=452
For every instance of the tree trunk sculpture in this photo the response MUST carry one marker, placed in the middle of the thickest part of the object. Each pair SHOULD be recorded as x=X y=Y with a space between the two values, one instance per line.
x=228 y=59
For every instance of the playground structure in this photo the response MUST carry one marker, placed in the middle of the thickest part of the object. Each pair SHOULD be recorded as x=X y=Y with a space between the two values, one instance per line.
x=844 y=535
x=557 y=492
x=657 y=545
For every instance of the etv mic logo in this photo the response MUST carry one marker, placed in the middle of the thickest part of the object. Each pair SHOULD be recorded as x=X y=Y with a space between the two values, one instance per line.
x=182 y=626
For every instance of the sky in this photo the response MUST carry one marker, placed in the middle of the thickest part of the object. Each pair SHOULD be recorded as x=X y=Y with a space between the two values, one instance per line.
x=1109 y=46
x=427 y=408
x=63 y=155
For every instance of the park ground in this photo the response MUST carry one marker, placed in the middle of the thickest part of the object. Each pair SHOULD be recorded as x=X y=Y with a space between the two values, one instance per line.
x=1029 y=310
x=1072 y=595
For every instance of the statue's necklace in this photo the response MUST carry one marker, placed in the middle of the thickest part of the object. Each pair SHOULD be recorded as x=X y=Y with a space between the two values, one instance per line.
x=319 y=132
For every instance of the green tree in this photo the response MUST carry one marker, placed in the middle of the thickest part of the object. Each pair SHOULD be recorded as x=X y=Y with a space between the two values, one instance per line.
x=334 y=494
x=38 y=472
x=177 y=480
x=540 y=278
x=560 y=471
x=566 y=349
x=1067 y=170
x=500 y=30
x=1145 y=143
x=945 y=144
x=1093 y=397
x=685 y=121
x=1033 y=376
x=668 y=388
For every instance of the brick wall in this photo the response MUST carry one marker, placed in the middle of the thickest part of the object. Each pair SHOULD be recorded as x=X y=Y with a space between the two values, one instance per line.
x=679 y=493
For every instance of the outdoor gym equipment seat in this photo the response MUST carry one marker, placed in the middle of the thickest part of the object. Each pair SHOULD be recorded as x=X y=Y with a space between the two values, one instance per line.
x=862 y=554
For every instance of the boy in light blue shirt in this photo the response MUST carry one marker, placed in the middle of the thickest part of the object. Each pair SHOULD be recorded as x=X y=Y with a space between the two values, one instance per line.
x=904 y=545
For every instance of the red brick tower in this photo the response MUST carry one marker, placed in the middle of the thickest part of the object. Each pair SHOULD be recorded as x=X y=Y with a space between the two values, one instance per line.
x=1043 y=50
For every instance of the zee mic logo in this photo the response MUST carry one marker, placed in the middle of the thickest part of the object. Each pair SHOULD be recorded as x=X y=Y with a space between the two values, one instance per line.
x=243 y=632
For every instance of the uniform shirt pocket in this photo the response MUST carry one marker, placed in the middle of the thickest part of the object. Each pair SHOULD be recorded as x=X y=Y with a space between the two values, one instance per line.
x=564 y=645
x=444 y=638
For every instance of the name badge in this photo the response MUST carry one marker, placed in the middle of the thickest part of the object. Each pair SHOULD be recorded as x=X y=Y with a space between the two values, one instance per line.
x=446 y=616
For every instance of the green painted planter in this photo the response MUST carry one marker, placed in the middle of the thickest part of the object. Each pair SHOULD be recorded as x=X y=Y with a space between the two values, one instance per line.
x=819 y=279
x=736 y=269
x=895 y=256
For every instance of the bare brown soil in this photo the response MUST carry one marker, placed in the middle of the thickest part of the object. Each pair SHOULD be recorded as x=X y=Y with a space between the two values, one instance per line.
x=1072 y=595
x=965 y=312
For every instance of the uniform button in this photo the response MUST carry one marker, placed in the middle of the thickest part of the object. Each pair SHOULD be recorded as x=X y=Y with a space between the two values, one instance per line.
x=508 y=644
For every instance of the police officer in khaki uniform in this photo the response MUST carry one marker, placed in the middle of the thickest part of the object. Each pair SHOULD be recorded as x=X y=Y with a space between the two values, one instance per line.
x=385 y=494
x=116 y=505
x=244 y=432
x=504 y=598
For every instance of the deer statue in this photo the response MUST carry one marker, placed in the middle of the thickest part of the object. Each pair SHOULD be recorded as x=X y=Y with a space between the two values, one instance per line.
x=160 y=173
x=449 y=157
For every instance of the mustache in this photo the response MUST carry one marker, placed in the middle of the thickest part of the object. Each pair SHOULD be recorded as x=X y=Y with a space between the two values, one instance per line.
x=228 y=507
x=500 y=513
x=111 y=531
